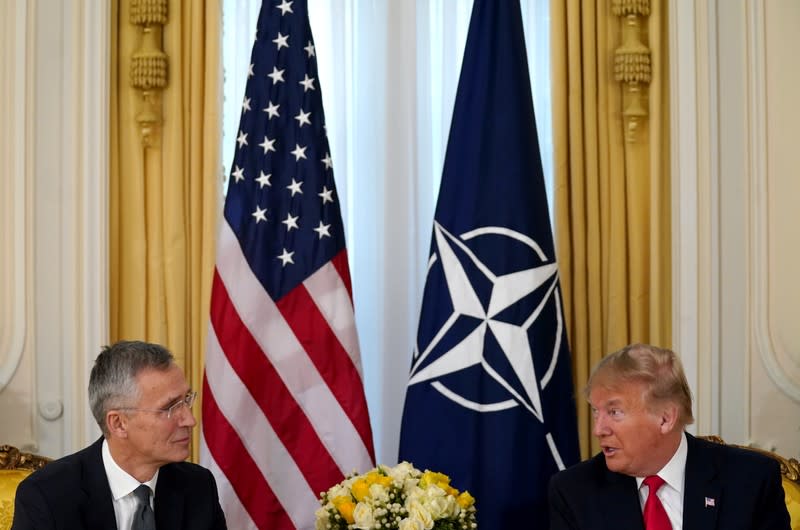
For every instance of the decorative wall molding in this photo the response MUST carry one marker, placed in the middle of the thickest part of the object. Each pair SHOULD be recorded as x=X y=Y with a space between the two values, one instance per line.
x=149 y=65
x=781 y=366
x=632 y=63
x=13 y=199
x=60 y=105
x=686 y=317
x=92 y=208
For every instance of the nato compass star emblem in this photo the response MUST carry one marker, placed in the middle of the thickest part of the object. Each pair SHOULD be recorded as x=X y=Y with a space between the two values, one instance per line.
x=490 y=328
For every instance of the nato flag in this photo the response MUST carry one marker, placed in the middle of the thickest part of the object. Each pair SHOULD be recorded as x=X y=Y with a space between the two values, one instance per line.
x=490 y=399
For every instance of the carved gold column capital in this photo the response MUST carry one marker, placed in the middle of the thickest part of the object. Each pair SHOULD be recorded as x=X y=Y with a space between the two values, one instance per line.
x=149 y=64
x=632 y=66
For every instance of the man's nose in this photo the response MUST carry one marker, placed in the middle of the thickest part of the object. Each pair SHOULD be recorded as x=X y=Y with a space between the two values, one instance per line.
x=600 y=427
x=187 y=417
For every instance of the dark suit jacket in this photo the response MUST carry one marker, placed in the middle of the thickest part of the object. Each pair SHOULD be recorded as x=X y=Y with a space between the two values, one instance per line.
x=73 y=493
x=743 y=487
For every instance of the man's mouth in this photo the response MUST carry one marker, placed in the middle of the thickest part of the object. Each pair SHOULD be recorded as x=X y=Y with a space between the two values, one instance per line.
x=609 y=451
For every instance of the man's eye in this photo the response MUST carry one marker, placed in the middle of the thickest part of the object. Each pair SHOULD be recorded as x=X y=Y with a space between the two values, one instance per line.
x=615 y=413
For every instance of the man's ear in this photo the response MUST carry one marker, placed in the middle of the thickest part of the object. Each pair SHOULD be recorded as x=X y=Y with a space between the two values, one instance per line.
x=668 y=417
x=117 y=424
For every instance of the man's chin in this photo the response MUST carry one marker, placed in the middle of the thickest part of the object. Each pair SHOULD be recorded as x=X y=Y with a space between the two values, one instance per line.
x=614 y=463
x=180 y=453
x=180 y=457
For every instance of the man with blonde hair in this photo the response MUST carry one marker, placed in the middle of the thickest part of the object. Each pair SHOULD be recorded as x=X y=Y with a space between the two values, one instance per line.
x=652 y=474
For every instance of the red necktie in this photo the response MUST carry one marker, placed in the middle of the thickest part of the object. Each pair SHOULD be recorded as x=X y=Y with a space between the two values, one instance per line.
x=655 y=517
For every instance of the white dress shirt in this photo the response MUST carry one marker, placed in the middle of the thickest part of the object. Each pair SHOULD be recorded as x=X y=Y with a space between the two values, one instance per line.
x=122 y=485
x=671 y=493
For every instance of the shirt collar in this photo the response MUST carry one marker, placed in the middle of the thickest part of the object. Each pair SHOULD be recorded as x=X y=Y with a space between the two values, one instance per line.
x=674 y=471
x=120 y=482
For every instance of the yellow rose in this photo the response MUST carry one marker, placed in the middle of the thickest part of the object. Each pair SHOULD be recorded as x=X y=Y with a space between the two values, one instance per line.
x=360 y=489
x=432 y=478
x=345 y=507
x=465 y=500
x=372 y=477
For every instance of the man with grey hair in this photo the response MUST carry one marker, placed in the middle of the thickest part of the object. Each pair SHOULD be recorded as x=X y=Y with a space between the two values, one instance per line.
x=652 y=474
x=134 y=477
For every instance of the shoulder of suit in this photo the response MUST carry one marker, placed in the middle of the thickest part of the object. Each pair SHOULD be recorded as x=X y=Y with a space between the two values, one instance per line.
x=187 y=470
x=594 y=467
x=739 y=458
x=65 y=470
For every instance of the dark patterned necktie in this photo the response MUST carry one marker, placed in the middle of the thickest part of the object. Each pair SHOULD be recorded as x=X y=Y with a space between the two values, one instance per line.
x=655 y=516
x=143 y=518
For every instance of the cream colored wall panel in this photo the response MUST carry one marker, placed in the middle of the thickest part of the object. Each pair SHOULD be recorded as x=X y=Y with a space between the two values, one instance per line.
x=735 y=123
x=55 y=143
x=782 y=83
x=17 y=381
x=775 y=286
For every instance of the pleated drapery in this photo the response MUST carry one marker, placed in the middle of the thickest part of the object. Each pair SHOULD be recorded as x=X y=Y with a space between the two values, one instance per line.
x=612 y=191
x=165 y=174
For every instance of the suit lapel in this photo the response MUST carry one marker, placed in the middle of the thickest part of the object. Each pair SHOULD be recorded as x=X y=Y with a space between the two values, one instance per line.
x=169 y=500
x=622 y=498
x=98 y=511
x=703 y=495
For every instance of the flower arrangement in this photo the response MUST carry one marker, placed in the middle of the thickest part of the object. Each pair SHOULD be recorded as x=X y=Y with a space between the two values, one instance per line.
x=400 y=497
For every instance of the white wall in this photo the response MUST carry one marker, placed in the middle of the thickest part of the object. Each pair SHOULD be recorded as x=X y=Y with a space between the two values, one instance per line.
x=53 y=236
x=735 y=191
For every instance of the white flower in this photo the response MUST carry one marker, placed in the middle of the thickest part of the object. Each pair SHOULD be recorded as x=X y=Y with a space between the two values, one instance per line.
x=379 y=493
x=323 y=517
x=339 y=490
x=410 y=524
x=414 y=493
x=441 y=506
x=418 y=512
x=394 y=503
x=410 y=484
x=432 y=492
x=363 y=517
x=401 y=471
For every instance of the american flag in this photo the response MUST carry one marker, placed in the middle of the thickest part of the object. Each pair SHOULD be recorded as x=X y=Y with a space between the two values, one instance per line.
x=284 y=415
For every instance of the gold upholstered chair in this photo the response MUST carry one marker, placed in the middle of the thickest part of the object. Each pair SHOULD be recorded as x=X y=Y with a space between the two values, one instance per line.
x=790 y=475
x=14 y=466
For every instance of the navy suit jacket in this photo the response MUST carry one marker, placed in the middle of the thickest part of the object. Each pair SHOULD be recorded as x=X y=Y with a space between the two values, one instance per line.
x=73 y=493
x=725 y=488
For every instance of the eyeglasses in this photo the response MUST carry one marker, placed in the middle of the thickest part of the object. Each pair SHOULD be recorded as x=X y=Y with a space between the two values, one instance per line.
x=186 y=401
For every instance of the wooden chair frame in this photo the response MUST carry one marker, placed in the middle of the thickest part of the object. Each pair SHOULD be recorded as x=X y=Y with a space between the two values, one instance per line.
x=13 y=458
x=790 y=467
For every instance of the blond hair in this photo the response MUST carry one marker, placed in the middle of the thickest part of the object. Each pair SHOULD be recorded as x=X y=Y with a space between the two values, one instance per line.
x=659 y=369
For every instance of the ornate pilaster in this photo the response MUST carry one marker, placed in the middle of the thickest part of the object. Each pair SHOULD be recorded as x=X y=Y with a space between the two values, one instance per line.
x=149 y=65
x=632 y=63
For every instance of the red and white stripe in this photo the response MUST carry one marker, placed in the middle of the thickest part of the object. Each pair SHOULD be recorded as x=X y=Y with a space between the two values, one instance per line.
x=284 y=415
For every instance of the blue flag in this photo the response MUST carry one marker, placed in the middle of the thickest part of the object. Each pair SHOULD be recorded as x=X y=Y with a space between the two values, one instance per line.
x=490 y=399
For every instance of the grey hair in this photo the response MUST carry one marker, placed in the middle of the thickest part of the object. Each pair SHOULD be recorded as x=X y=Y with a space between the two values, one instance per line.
x=112 y=383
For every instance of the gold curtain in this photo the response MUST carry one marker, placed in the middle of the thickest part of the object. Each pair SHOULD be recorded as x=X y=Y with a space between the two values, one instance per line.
x=612 y=191
x=165 y=173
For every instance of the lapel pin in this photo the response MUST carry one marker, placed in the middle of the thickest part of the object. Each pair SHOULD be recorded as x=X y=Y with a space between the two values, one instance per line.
x=709 y=502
